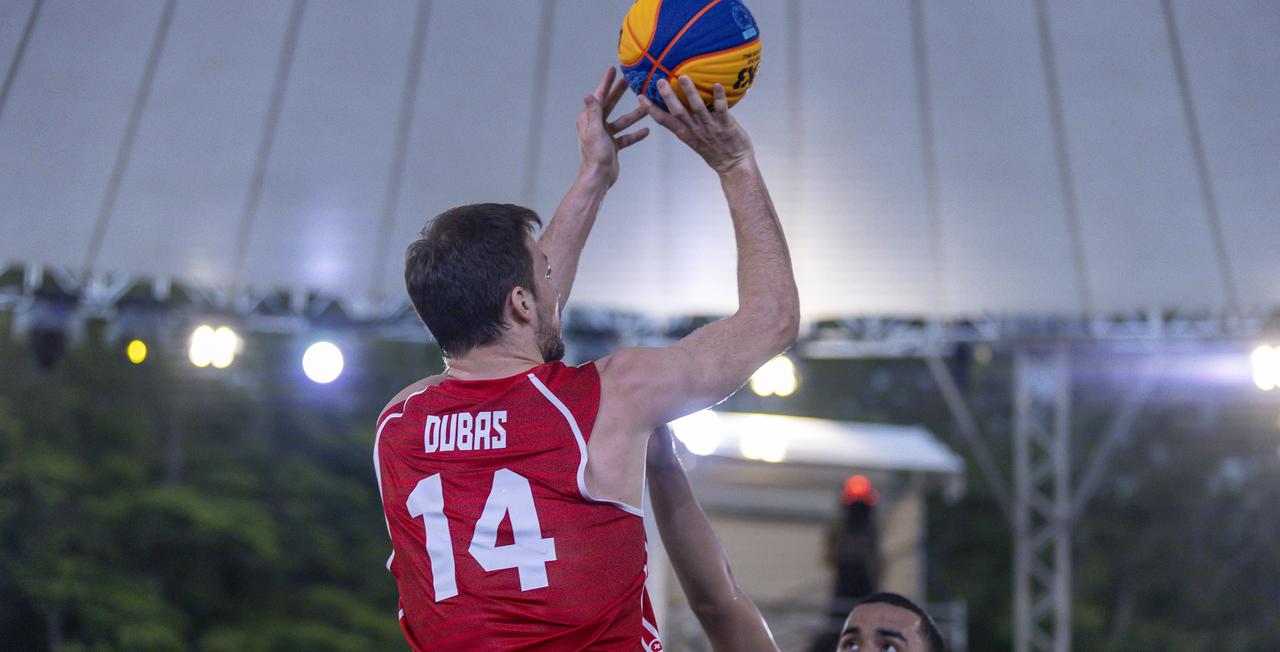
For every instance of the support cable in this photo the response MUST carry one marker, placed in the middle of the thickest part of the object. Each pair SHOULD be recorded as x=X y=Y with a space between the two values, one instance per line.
x=121 y=165
x=1066 y=179
x=249 y=211
x=795 y=88
x=928 y=156
x=1201 y=160
x=1117 y=431
x=538 y=102
x=18 y=54
x=399 y=154
x=970 y=432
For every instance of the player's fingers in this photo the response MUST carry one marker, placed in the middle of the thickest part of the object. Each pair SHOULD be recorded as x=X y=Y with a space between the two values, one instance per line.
x=605 y=82
x=590 y=105
x=626 y=140
x=616 y=92
x=721 y=101
x=627 y=120
x=674 y=106
x=662 y=117
x=696 y=106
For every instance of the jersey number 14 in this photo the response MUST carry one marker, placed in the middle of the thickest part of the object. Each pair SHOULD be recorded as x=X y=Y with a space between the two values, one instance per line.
x=512 y=495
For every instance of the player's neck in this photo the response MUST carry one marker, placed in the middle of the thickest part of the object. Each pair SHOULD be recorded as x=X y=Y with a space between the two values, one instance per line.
x=497 y=360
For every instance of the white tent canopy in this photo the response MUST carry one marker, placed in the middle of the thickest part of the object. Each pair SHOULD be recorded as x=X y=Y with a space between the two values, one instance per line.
x=835 y=114
x=817 y=442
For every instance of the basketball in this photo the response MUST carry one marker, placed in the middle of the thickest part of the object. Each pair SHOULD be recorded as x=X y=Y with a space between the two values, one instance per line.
x=711 y=41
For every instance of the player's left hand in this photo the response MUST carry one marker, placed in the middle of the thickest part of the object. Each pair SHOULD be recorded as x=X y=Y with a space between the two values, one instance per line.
x=601 y=140
x=662 y=450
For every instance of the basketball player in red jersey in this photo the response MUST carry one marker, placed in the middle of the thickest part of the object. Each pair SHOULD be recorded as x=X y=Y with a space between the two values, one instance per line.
x=510 y=482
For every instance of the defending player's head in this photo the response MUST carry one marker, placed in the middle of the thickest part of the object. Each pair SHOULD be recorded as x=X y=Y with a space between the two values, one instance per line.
x=888 y=621
x=477 y=277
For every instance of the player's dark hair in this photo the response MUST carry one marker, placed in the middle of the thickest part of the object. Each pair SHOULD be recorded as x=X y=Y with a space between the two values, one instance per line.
x=932 y=636
x=462 y=267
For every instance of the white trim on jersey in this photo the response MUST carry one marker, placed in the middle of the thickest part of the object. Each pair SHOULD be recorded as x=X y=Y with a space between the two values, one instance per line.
x=651 y=629
x=377 y=465
x=582 y=448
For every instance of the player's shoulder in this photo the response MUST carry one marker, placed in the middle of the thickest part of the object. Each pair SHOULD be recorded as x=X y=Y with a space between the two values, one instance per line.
x=397 y=404
x=636 y=366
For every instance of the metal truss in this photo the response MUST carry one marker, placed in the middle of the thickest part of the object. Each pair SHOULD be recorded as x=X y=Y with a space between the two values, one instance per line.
x=30 y=291
x=1042 y=500
x=918 y=337
x=103 y=295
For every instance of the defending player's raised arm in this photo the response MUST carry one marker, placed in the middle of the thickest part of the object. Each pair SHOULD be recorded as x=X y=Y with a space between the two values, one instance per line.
x=730 y=619
x=661 y=384
x=600 y=142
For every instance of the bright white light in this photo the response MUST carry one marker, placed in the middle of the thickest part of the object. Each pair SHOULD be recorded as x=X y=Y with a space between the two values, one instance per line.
x=1266 y=367
x=700 y=432
x=777 y=376
x=201 y=351
x=322 y=362
x=213 y=347
x=763 y=445
x=225 y=346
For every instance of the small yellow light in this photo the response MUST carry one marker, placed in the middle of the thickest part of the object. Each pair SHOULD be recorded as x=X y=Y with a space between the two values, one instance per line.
x=137 y=351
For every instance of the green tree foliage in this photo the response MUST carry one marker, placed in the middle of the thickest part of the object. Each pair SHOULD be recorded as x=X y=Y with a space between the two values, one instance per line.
x=265 y=534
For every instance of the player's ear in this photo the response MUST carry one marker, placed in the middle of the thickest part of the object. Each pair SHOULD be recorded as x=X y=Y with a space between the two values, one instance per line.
x=520 y=301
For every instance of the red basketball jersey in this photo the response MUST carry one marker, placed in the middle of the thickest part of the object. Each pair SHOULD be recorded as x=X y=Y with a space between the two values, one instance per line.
x=496 y=542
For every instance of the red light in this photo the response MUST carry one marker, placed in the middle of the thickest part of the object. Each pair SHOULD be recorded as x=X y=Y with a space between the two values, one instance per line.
x=858 y=489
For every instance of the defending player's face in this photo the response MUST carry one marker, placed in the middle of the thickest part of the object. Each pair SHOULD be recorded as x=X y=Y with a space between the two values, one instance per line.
x=880 y=627
x=548 y=305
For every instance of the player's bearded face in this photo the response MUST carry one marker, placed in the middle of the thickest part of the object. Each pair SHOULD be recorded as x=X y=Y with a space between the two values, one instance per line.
x=549 y=341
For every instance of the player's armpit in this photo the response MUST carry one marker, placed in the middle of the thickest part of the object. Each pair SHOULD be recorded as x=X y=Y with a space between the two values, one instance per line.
x=658 y=385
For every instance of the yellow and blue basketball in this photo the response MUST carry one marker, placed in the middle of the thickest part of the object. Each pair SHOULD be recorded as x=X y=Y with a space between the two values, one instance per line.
x=711 y=41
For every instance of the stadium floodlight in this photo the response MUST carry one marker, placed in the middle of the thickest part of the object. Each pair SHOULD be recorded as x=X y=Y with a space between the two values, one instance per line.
x=136 y=351
x=200 y=352
x=776 y=377
x=225 y=346
x=1266 y=367
x=763 y=445
x=322 y=362
x=213 y=347
x=700 y=432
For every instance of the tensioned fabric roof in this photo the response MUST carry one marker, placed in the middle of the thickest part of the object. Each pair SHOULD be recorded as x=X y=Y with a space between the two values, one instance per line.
x=915 y=156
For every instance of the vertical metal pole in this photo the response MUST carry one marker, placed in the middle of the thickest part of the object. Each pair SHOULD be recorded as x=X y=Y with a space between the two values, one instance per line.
x=1063 y=506
x=1042 y=500
x=1022 y=619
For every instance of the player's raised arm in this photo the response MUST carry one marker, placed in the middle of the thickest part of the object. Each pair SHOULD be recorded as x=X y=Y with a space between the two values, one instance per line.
x=730 y=619
x=660 y=384
x=600 y=142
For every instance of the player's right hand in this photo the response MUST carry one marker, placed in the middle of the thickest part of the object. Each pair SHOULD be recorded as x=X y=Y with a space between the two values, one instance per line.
x=713 y=133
